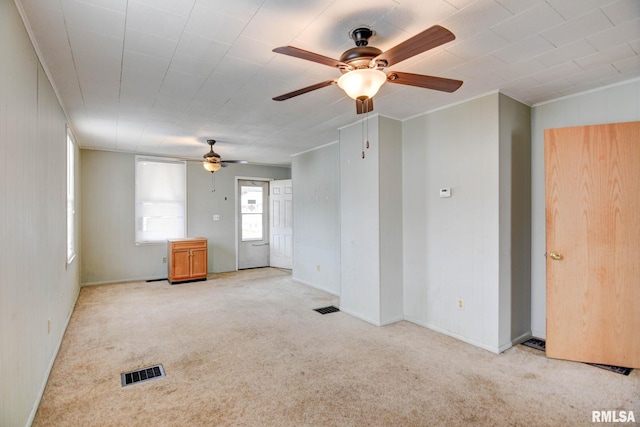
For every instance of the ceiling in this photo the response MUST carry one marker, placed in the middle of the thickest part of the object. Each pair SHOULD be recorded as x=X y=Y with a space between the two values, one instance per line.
x=163 y=76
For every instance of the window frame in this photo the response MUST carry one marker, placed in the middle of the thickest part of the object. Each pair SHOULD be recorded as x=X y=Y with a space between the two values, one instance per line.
x=259 y=214
x=71 y=197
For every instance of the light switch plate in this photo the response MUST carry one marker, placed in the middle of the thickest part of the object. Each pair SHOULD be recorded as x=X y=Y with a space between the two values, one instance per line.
x=445 y=192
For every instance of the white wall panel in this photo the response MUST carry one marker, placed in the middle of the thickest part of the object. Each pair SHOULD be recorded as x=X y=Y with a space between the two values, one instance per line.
x=451 y=245
x=390 y=178
x=360 y=223
x=371 y=220
x=515 y=222
x=316 y=218
x=37 y=289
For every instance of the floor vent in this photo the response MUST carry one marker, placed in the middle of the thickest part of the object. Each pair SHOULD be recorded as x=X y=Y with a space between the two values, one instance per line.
x=327 y=310
x=536 y=343
x=541 y=345
x=146 y=374
x=617 y=369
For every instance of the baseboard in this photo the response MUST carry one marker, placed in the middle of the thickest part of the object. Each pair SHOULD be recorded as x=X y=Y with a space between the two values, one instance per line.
x=36 y=404
x=539 y=334
x=111 y=282
x=520 y=339
x=312 y=285
x=392 y=320
x=515 y=341
x=358 y=316
x=373 y=322
x=483 y=346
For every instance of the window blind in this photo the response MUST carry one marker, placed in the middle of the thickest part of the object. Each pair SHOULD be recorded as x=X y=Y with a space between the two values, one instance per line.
x=161 y=195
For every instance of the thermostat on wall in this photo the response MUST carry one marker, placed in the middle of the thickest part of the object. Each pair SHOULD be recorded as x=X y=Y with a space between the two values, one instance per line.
x=445 y=192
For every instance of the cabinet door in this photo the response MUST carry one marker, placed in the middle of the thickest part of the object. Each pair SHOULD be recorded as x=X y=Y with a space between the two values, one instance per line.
x=180 y=264
x=199 y=262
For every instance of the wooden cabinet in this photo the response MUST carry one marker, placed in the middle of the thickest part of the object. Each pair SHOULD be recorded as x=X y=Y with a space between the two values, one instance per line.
x=187 y=259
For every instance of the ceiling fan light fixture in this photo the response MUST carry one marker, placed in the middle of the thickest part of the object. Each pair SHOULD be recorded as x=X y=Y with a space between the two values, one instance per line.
x=362 y=82
x=211 y=166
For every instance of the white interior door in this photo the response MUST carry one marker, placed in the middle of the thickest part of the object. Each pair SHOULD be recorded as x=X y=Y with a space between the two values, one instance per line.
x=281 y=230
x=253 y=224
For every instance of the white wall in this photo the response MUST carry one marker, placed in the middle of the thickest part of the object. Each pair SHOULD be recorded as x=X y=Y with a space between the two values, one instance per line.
x=360 y=223
x=391 y=250
x=108 y=234
x=620 y=103
x=474 y=245
x=451 y=245
x=316 y=218
x=109 y=250
x=515 y=222
x=36 y=286
x=371 y=221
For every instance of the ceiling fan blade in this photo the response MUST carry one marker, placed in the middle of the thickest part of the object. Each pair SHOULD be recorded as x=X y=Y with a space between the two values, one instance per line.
x=427 y=82
x=305 y=90
x=309 y=56
x=364 y=105
x=226 y=163
x=212 y=157
x=422 y=42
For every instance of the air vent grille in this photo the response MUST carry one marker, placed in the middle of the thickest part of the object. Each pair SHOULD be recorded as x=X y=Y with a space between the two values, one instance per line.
x=141 y=375
x=327 y=310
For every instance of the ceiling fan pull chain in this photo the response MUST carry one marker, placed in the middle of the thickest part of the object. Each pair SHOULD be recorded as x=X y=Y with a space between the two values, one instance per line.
x=213 y=182
x=367 y=129
x=362 y=135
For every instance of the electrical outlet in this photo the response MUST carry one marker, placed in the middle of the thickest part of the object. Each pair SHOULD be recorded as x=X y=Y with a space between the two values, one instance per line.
x=460 y=304
x=164 y=260
x=216 y=217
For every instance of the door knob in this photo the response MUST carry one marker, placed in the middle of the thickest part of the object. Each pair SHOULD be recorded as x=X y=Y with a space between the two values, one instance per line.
x=555 y=256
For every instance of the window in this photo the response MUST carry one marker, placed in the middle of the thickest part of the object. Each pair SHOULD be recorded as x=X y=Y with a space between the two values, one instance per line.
x=251 y=210
x=71 y=204
x=161 y=195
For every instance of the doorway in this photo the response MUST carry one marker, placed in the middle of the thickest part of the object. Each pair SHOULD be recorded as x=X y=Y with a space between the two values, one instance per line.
x=253 y=223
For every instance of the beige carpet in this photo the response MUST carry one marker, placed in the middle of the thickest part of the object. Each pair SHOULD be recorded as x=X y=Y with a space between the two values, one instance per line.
x=247 y=349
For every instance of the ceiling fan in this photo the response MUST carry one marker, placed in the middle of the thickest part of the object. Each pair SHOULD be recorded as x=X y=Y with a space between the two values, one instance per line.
x=362 y=66
x=213 y=162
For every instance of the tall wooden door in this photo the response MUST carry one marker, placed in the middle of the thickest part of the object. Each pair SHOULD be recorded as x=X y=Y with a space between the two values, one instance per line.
x=592 y=184
x=281 y=230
